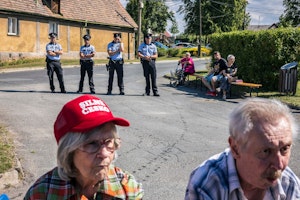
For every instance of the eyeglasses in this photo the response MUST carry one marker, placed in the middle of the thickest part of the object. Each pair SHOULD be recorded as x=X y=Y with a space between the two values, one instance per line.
x=111 y=144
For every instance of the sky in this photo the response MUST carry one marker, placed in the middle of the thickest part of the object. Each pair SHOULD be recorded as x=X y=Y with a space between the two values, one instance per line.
x=262 y=12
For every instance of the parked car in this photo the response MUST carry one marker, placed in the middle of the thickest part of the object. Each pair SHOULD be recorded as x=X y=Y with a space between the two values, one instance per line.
x=183 y=45
x=160 y=45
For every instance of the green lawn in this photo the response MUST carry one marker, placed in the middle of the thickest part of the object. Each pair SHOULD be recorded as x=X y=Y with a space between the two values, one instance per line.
x=7 y=156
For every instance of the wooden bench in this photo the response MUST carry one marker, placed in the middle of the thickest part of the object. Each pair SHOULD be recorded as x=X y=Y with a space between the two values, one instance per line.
x=198 y=77
x=252 y=86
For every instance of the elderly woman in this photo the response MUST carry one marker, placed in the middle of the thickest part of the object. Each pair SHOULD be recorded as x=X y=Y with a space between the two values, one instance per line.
x=229 y=76
x=87 y=138
x=187 y=64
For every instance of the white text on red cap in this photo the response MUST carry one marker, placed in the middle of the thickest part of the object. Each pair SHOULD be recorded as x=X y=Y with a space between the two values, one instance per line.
x=93 y=105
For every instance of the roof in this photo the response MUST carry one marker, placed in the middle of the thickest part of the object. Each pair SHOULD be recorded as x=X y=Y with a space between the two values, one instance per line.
x=106 y=12
x=262 y=27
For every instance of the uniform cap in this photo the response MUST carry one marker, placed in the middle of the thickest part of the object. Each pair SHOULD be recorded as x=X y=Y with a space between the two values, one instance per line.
x=117 y=35
x=148 y=35
x=86 y=37
x=83 y=114
x=52 y=35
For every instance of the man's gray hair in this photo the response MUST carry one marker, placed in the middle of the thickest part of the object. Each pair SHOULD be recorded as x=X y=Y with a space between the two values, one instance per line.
x=67 y=146
x=254 y=111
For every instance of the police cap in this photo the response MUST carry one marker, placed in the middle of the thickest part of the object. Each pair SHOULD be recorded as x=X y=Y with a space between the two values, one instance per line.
x=52 y=35
x=117 y=35
x=86 y=37
x=148 y=35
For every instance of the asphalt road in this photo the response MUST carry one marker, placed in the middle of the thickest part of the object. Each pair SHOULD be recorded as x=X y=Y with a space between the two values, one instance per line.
x=169 y=135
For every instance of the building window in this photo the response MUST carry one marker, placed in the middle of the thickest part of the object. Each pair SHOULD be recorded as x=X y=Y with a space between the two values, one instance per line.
x=53 y=27
x=13 y=26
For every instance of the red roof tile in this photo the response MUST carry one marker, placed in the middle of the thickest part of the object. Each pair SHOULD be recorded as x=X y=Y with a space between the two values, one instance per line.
x=106 y=12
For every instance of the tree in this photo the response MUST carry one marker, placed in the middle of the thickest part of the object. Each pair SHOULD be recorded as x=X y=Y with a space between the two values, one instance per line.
x=291 y=16
x=217 y=16
x=155 y=15
x=174 y=28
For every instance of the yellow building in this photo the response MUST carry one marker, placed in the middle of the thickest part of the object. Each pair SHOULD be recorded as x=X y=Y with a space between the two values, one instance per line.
x=25 y=25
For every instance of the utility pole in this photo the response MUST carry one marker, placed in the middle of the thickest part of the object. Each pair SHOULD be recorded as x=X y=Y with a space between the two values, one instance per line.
x=141 y=5
x=200 y=29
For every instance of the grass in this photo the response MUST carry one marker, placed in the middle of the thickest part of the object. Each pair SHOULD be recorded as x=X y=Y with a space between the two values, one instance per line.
x=7 y=155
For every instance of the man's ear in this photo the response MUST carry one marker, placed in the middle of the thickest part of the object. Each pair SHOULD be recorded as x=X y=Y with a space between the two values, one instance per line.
x=234 y=147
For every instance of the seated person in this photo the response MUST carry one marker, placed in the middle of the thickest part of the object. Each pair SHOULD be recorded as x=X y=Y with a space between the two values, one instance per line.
x=187 y=64
x=88 y=140
x=215 y=75
x=229 y=76
x=255 y=166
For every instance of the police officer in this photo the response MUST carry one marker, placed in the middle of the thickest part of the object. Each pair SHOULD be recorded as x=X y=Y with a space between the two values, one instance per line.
x=86 y=53
x=54 y=50
x=147 y=52
x=114 y=50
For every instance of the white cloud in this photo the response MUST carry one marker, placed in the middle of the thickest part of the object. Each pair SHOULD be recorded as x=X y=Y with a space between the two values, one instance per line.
x=265 y=12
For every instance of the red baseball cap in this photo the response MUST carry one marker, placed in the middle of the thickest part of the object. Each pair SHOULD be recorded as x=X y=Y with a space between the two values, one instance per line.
x=83 y=114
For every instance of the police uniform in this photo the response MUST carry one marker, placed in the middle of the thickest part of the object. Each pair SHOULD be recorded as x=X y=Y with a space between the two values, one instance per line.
x=53 y=63
x=149 y=67
x=116 y=62
x=87 y=51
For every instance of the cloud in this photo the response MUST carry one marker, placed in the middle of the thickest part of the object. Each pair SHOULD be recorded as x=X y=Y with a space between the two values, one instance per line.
x=265 y=12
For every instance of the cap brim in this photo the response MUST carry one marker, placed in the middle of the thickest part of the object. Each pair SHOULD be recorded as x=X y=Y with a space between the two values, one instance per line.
x=90 y=124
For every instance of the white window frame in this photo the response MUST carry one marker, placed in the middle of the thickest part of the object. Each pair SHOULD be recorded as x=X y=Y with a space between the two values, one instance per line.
x=12 y=26
x=53 y=28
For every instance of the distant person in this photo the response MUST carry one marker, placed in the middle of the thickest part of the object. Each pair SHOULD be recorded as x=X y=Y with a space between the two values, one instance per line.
x=187 y=64
x=87 y=138
x=215 y=75
x=54 y=51
x=255 y=167
x=147 y=52
x=86 y=53
x=116 y=62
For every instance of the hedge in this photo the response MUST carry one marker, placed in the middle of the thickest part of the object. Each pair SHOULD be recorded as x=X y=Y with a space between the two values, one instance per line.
x=260 y=54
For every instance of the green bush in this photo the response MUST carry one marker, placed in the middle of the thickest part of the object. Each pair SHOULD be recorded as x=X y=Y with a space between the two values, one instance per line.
x=162 y=52
x=174 y=52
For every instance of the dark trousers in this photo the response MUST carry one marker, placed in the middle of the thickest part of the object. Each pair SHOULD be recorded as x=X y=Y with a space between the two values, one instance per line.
x=55 y=66
x=150 y=74
x=115 y=65
x=86 y=67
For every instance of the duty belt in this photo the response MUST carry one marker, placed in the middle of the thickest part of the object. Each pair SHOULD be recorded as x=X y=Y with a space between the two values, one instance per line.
x=86 y=60
x=121 y=61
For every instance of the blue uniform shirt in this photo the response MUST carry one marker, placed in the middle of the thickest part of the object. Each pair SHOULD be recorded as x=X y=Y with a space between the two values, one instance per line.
x=87 y=50
x=53 y=47
x=147 y=49
x=113 y=46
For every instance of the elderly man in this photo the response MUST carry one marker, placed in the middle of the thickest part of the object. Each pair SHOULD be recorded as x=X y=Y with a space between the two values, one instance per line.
x=87 y=137
x=256 y=164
